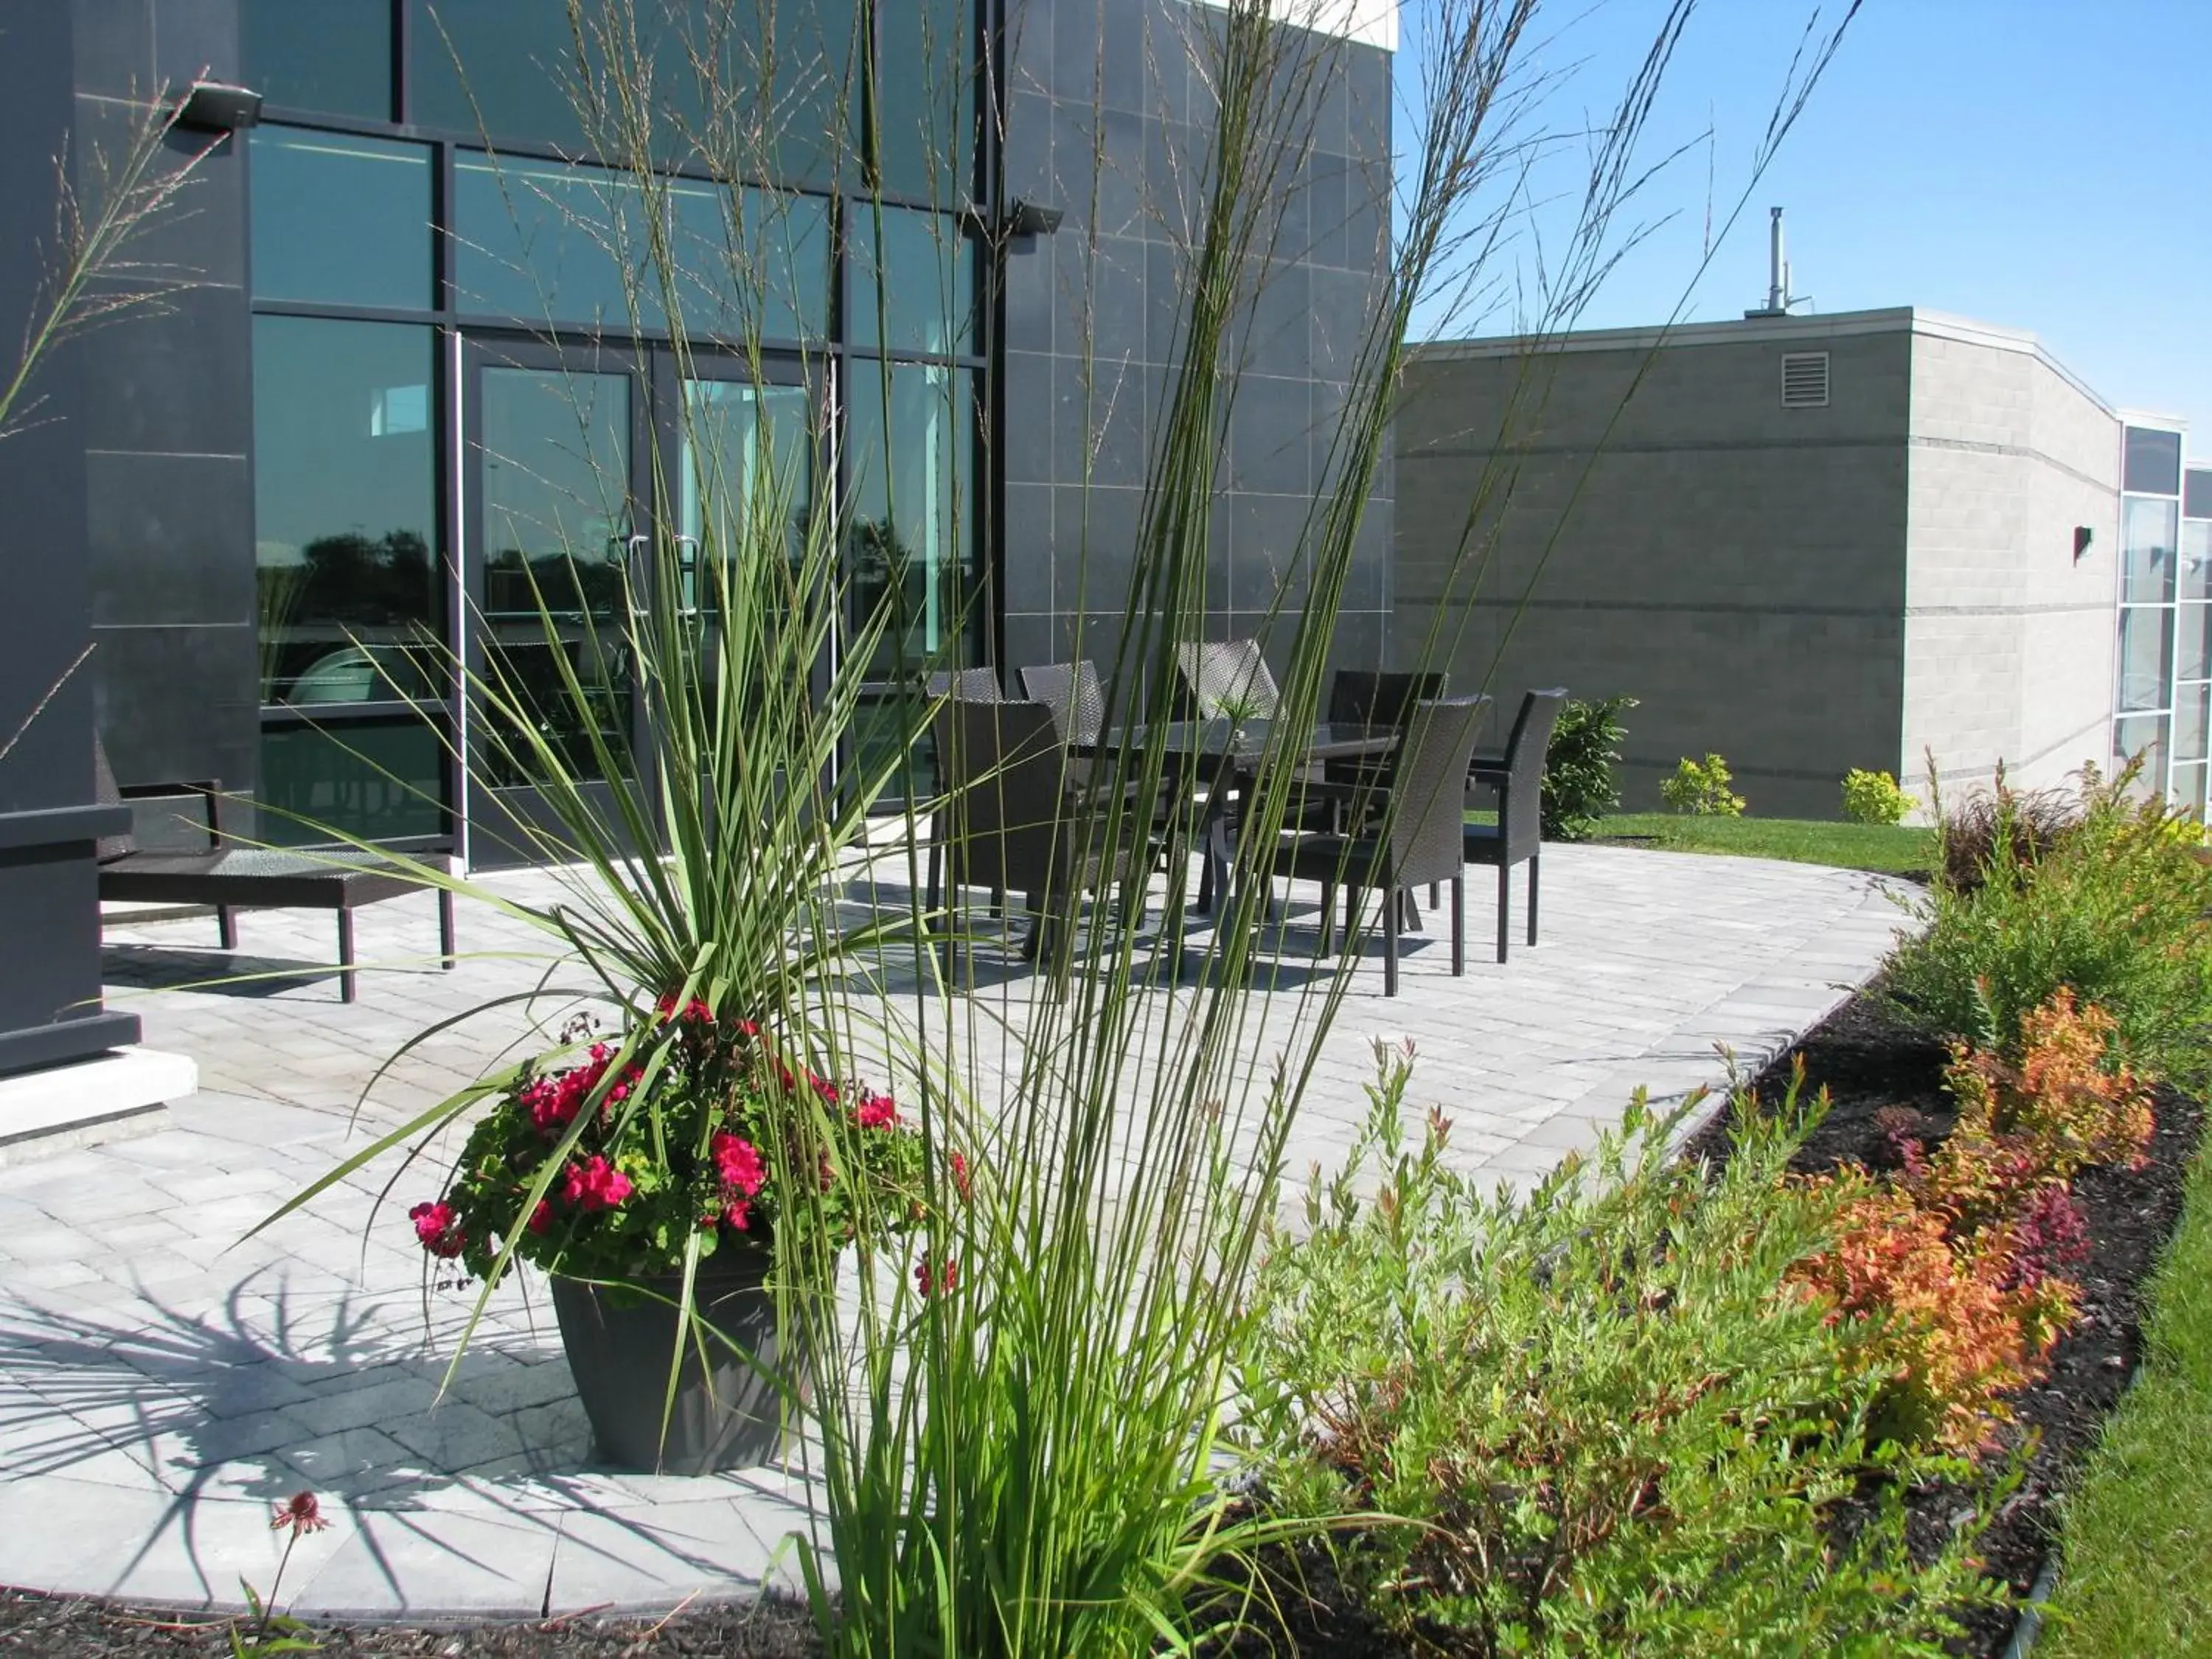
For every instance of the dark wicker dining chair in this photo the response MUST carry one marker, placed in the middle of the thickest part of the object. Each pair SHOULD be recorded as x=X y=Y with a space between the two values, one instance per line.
x=1516 y=778
x=1074 y=693
x=1226 y=675
x=1416 y=840
x=1013 y=823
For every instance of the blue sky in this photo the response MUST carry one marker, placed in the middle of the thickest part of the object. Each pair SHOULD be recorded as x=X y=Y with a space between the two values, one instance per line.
x=2044 y=165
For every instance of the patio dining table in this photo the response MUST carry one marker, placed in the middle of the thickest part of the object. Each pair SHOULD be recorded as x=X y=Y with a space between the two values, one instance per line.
x=1221 y=759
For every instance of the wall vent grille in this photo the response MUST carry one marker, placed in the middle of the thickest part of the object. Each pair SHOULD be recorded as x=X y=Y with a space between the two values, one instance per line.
x=1804 y=379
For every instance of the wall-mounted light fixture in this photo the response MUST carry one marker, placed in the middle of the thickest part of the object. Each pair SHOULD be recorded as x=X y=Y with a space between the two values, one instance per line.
x=217 y=106
x=1032 y=219
x=2083 y=536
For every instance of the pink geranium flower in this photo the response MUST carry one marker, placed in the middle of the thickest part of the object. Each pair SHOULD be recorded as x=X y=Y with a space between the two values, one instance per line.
x=738 y=1161
x=877 y=1112
x=596 y=1184
x=438 y=1229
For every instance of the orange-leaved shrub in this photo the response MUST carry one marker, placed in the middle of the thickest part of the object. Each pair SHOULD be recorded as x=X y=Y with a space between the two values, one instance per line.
x=1954 y=1276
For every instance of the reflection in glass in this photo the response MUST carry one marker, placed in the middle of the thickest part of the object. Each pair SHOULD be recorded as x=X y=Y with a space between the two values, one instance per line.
x=553 y=489
x=926 y=99
x=2193 y=705
x=2192 y=656
x=2153 y=462
x=379 y=779
x=340 y=220
x=345 y=509
x=745 y=448
x=910 y=545
x=549 y=243
x=2146 y=655
x=2197 y=493
x=2195 y=559
x=2144 y=735
x=2147 y=549
x=765 y=273
x=516 y=59
x=334 y=56
x=924 y=284
x=2188 y=788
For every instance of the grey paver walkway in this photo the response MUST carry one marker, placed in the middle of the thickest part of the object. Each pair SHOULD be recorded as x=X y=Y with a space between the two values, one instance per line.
x=161 y=1383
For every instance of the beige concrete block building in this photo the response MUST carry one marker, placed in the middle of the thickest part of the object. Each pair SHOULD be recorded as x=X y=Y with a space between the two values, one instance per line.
x=1809 y=544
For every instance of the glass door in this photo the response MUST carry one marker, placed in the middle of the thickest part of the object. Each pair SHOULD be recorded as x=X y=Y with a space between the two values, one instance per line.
x=551 y=482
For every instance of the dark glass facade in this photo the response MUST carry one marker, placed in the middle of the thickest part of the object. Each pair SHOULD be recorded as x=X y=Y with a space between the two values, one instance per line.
x=291 y=496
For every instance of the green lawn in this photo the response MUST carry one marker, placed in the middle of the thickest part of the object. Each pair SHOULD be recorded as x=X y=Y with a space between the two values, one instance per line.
x=1895 y=849
x=2135 y=1576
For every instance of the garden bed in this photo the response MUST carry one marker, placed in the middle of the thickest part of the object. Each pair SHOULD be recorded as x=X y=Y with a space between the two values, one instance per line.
x=1867 y=1063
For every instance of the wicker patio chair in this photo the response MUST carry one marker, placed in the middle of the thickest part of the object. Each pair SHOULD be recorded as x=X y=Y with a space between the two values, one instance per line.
x=1417 y=841
x=1516 y=777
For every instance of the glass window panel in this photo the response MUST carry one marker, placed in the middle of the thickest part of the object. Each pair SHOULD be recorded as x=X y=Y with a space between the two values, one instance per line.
x=2147 y=736
x=554 y=493
x=341 y=220
x=2192 y=657
x=2188 y=788
x=2146 y=657
x=2197 y=496
x=2147 y=549
x=345 y=509
x=501 y=67
x=926 y=301
x=2195 y=574
x=328 y=55
x=551 y=243
x=771 y=270
x=795 y=70
x=925 y=99
x=509 y=69
x=2192 y=706
x=381 y=780
x=2153 y=461
x=744 y=447
x=910 y=435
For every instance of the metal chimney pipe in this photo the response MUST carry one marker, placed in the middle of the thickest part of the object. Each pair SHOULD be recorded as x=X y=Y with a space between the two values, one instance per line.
x=1777 y=283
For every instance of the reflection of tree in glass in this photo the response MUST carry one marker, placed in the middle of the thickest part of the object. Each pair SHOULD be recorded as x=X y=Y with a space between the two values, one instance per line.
x=353 y=578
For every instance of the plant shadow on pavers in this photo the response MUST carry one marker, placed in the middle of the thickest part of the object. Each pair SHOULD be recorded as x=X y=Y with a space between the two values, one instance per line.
x=156 y=1442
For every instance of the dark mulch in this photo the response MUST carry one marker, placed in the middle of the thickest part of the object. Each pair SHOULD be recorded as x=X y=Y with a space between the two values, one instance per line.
x=770 y=1629
x=1868 y=1061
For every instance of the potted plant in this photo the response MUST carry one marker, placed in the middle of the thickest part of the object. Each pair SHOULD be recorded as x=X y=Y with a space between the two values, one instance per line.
x=649 y=1178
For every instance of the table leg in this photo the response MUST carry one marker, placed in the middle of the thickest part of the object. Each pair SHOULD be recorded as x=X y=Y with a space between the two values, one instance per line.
x=345 y=955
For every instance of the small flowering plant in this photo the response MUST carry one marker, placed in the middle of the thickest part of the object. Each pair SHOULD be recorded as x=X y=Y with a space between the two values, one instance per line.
x=690 y=1134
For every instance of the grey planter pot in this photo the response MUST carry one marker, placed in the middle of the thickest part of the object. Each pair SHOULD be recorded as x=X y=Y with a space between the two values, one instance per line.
x=728 y=1415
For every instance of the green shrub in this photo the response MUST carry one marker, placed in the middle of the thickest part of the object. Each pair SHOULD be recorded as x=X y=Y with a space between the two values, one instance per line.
x=1579 y=786
x=1874 y=798
x=1702 y=787
x=2113 y=908
x=1609 y=1421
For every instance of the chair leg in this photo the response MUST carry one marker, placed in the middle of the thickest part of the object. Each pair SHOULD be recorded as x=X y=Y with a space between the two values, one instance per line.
x=934 y=877
x=345 y=955
x=1327 y=920
x=1459 y=925
x=1392 y=919
x=1504 y=907
x=226 y=923
x=446 y=928
x=1435 y=896
x=1535 y=860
